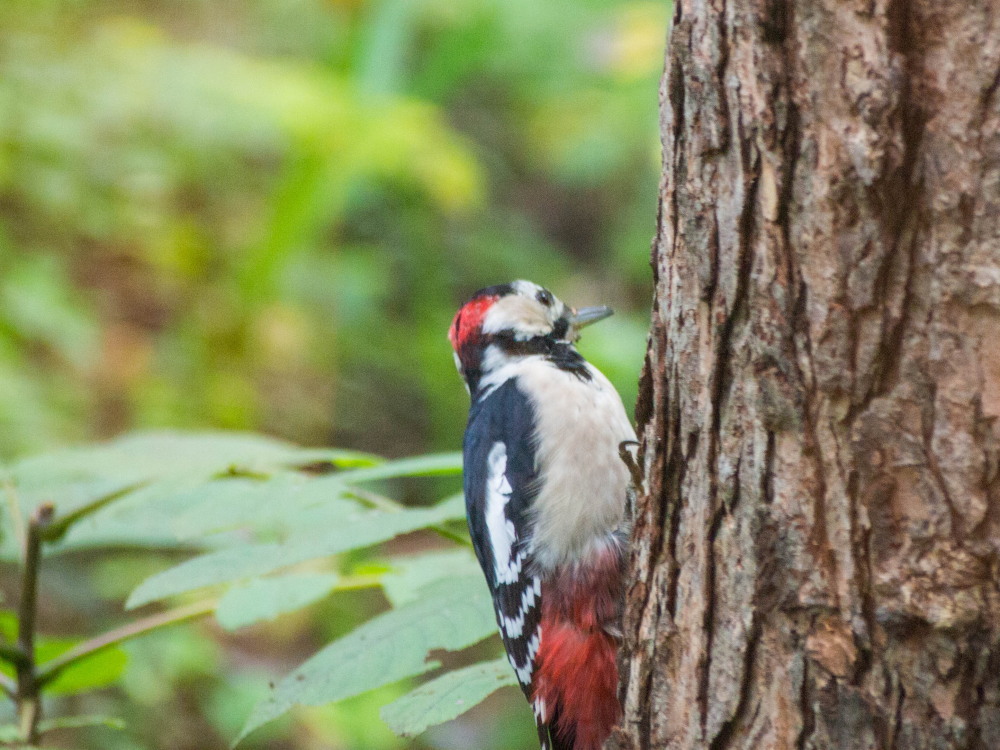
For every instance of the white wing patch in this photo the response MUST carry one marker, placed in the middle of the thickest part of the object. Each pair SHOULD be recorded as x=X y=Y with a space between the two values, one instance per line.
x=517 y=593
x=506 y=566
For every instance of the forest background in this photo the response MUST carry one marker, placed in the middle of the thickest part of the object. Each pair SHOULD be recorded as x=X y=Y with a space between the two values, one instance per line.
x=261 y=216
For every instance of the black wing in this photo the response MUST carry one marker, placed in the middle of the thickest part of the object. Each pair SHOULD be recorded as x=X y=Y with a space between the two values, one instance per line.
x=500 y=486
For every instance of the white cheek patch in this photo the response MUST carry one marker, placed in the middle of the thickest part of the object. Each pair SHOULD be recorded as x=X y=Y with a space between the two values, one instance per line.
x=526 y=316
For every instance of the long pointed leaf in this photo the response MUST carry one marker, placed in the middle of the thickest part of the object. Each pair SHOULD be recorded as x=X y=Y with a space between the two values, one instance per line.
x=266 y=598
x=237 y=563
x=451 y=614
x=434 y=464
x=402 y=584
x=448 y=696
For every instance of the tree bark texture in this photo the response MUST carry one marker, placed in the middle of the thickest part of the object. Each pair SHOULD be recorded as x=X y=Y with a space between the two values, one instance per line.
x=817 y=536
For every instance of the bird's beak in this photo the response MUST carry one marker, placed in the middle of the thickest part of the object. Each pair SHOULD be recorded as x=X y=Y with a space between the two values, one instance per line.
x=587 y=315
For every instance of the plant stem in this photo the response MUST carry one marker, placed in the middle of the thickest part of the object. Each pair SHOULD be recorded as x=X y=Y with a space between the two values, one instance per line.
x=16 y=517
x=52 y=668
x=29 y=708
x=54 y=531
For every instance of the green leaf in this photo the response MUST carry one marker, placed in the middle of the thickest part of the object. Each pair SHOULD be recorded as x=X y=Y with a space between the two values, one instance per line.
x=143 y=517
x=10 y=734
x=231 y=564
x=39 y=302
x=173 y=511
x=342 y=459
x=164 y=487
x=96 y=671
x=266 y=598
x=382 y=56
x=446 y=697
x=96 y=480
x=231 y=503
x=80 y=722
x=147 y=456
x=8 y=625
x=320 y=537
x=450 y=614
x=434 y=464
x=58 y=528
x=402 y=584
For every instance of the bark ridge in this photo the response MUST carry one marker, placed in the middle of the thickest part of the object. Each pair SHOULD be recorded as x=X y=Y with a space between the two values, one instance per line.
x=817 y=554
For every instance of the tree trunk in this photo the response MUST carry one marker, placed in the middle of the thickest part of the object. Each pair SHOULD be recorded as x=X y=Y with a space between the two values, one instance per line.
x=817 y=554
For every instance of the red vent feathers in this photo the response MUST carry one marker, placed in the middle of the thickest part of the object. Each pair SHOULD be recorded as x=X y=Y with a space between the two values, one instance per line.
x=576 y=668
x=578 y=674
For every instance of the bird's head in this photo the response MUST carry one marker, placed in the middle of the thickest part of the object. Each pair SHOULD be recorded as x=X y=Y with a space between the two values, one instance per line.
x=507 y=321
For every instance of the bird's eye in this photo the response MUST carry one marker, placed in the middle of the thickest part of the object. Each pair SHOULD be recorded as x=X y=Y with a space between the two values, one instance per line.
x=545 y=297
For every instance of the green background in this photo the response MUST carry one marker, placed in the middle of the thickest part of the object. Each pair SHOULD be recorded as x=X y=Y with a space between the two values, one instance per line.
x=261 y=216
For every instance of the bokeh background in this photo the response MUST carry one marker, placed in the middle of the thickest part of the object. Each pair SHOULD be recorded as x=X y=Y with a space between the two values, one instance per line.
x=261 y=215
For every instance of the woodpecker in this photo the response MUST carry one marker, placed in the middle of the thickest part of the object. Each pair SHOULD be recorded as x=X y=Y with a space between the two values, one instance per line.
x=545 y=493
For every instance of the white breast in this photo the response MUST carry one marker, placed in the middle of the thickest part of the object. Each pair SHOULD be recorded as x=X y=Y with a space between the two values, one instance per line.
x=583 y=481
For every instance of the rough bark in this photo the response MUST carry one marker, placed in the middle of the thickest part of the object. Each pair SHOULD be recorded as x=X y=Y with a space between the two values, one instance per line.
x=817 y=540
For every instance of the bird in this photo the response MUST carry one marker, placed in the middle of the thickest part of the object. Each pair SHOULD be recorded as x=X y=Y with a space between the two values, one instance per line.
x=545 y=493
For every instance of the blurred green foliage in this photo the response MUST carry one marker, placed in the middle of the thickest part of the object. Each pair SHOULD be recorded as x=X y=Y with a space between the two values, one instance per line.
x=273 y=528
x=262 y=215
